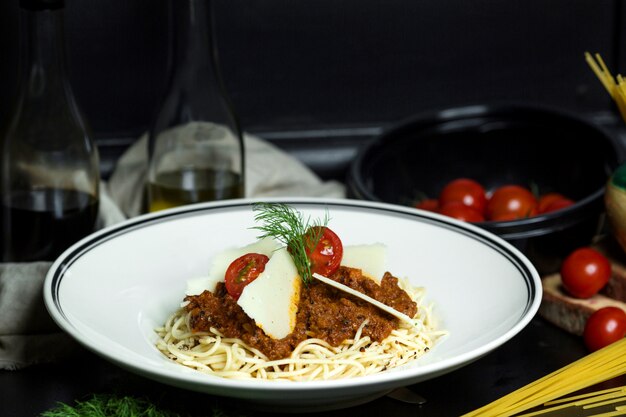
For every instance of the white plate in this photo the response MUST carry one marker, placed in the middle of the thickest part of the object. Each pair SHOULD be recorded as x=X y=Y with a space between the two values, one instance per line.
x=111 y=289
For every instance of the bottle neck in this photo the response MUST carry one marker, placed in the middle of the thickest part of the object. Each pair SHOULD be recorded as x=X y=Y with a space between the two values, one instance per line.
x=42 y=52
x=193 y=54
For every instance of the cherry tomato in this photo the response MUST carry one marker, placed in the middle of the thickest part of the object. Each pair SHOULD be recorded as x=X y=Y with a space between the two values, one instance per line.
x=547 y=199
x=466 y=191
x=552 y=202
x=603 y=327
x=325 y=258
x=558 y=205
x=511 y=202
x=429 y=204
x=584 y=272
x=460 y=211
x=505 y=217
x=242 y=271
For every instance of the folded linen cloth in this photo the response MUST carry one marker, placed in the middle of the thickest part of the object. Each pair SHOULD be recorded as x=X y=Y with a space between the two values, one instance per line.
x=27 y=333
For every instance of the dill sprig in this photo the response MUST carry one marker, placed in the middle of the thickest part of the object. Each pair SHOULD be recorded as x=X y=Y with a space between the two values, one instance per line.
x=109 y=406
x=289 y=227
x=114 y=405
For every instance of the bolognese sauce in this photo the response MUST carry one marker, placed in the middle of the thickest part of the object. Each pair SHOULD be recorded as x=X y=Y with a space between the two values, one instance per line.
x=323 y=312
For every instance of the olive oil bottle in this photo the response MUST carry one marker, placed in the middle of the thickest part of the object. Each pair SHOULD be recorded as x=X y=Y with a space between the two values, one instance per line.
x=49 y=175
x=196 y=146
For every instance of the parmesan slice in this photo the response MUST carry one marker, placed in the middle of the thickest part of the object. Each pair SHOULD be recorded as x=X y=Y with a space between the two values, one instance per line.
x=272 y=299
x=370 y=259
x=222 y=260
x=364 y=297
x=196 y=286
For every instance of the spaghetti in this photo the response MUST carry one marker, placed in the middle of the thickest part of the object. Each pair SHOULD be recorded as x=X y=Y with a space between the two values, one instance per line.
x=594 y=368
x=615 y=88
x=312 y=359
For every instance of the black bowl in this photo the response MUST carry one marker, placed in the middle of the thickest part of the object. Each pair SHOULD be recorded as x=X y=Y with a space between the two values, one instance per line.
x=542 y=148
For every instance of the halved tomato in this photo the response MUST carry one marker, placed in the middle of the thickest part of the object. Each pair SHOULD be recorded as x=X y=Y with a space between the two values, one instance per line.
x=325 y=257
x=242 y=271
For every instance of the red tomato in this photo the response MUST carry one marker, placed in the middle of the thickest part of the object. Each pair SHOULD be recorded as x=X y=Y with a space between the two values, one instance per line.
x=466 y=191
x=505 y=217
x=603 y=327
x=557 y=205
x=460 y=211
x=547 y=199
x=429 y=204
x=511 y=202
x=242 y=271
x=325 y=258
x=552 y=202
x=584 y=272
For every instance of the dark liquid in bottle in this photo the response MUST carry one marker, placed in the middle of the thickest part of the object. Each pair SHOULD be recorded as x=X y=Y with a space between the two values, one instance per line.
x=177 y=188
x=41 y=224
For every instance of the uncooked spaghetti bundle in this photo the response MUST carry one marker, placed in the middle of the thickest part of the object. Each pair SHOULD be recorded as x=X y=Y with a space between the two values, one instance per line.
x=592 y=369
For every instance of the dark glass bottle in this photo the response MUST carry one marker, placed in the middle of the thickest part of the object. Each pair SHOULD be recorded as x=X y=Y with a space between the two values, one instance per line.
x=196 y=147
x=49 y=174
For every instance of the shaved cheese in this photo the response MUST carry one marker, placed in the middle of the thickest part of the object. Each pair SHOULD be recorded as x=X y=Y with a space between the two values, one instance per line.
x=222 y=260
x=370 y=259
x=196 y=286
x=272 y=299
x=364 y=297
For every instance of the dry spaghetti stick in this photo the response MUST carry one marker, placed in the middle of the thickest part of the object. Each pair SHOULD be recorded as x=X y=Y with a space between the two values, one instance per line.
x=583 y=396
x=607 y=402
x=606 y=80
x=599 y=366
x=610 y=414
x=616 y=89
x=586 y=401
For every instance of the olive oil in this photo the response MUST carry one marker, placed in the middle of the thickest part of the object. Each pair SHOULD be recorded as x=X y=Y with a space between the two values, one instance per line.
x=42 y=223
x=192 y=185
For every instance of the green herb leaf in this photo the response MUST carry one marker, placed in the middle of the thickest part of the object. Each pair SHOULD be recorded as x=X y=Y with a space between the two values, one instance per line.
x=113 y=405
x=109 y=406
x=289 y=227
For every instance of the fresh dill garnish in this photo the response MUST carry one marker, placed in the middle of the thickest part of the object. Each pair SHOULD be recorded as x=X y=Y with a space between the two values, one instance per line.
x=109 y=406
x=114 y=405
x=289 y=227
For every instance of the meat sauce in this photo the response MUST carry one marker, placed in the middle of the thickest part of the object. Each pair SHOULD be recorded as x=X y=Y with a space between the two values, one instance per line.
x=324 y=312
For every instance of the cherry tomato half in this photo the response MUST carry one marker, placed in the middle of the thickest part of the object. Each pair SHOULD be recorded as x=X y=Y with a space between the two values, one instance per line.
x=584 y=272
x=325 y=258
x=460 y=211
x=603 y=327
x=429 y=204
x=242 y=271
x=465 y=191
x=511 y=202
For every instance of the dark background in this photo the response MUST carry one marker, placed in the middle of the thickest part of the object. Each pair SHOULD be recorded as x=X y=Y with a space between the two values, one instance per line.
x=333 y=73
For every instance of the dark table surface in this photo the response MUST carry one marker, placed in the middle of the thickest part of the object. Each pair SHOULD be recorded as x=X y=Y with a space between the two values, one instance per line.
x=538 y=350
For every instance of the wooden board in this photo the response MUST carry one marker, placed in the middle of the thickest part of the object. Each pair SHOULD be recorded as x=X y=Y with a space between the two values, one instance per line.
x=571 y=313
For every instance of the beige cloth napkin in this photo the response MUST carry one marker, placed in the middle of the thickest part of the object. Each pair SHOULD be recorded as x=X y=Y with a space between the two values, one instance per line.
x=27 y=333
